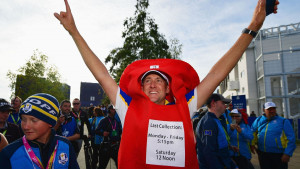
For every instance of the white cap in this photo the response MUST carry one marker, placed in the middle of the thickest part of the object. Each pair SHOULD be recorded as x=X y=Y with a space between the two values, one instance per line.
x=155 y=72
x=268 y=105
x=234 y=111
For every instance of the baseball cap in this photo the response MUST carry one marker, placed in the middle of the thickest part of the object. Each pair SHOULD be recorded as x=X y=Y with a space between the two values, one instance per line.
x=155 y=72
x=5 y=105
x=216 y=97
x=42 y=106
x=234 y=111
x=268 y=105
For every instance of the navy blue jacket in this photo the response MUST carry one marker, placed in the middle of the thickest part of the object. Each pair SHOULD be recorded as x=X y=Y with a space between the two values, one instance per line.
x=106 y=125
x=15 y=156
x=212 y=145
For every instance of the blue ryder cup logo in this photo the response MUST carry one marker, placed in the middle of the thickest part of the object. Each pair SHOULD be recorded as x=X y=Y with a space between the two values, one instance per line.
x=27 y=108
x=63 y=158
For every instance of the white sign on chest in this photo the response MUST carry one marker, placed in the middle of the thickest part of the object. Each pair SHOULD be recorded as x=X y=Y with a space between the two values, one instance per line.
x=165 y=143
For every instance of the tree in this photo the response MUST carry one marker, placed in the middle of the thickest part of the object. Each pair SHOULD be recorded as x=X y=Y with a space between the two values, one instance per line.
x=142 y=41
x=36 y=77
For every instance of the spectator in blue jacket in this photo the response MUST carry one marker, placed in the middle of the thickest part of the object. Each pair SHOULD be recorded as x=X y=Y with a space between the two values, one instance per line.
x=240 y=137
x=67 y=127
x=39 y=147
x=275 y=138
x=212 y=139
x=96 y=140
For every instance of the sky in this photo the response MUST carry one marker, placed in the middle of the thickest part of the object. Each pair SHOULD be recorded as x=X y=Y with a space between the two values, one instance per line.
x=205 y=28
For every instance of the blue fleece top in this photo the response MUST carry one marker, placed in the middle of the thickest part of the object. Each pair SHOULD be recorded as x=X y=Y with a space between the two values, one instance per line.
x=275 y=135
x=15 y=156
x=241 y=140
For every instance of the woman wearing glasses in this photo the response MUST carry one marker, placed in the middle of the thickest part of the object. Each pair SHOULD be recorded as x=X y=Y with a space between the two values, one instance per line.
x=240 y=137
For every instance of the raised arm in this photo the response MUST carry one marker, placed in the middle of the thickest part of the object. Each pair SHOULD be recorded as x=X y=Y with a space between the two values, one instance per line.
x=97 y=68
x=222 y=68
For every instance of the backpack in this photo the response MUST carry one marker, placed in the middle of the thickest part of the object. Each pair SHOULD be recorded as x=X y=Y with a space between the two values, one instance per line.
x=198 y=118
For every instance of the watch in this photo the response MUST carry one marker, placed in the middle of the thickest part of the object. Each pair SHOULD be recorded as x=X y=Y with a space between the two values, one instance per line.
x=250 y=32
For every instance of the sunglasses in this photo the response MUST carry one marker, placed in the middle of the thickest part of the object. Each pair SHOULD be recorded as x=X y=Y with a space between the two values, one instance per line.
x=235 y=116
x=76 y=103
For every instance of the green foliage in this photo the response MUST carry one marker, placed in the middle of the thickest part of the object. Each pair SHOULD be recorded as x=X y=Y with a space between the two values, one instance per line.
x=142 y=41
x=105 y=100
x=175 y=48
x=36 y=77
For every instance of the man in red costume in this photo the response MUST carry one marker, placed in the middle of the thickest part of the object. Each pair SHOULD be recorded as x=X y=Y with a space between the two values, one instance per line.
x=155 y=135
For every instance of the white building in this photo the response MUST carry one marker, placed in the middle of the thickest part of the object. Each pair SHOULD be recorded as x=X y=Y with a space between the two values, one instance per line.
x=269 y=70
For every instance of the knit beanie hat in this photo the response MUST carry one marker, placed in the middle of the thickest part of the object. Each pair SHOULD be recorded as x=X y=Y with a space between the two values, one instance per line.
x=42 y=106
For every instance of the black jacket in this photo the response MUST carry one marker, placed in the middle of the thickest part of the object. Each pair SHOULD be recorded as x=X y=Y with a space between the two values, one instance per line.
x=107 y=124
x=11 y=132
x=84 y=119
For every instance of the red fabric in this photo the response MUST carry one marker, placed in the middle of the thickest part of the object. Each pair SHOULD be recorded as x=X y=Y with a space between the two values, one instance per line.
x=244 y=115
x=183 y=78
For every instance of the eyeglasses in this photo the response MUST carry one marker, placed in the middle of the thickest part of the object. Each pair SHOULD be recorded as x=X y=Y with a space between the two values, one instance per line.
x=235 y=116
x=76 y=103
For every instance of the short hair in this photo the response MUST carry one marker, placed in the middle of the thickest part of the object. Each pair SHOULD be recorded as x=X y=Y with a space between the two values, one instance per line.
x=216 y=97
x=17 y=97
x=76 y=99
x=64 y=101
x=98 y=111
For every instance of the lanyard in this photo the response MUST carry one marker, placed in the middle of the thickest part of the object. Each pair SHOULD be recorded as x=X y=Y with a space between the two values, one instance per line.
x=4 y=132
x=15 y=122
x=77 y=116
x=35 y=159
x=238 y=141
x=227 y=136
x=113 y=127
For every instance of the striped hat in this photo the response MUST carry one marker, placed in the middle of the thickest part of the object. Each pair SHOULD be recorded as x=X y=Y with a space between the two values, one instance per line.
x=42 y=106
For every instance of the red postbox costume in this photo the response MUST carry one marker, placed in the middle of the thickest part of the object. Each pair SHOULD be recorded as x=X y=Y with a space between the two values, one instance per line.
x=158 y=136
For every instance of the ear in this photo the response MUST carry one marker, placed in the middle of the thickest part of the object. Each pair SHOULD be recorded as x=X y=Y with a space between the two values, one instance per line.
x=212 y=103
x=167 y=89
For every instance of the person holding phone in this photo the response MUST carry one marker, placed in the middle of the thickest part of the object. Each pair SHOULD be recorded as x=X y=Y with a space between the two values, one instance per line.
x=240 y=137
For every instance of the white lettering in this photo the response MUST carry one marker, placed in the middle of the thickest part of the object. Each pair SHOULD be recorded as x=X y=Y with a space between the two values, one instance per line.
x=165 y=143
x=35 y=101
x=52 y=112
x=46 y=106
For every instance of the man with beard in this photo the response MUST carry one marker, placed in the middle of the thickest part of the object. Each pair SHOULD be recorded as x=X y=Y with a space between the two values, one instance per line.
x=66 y=125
